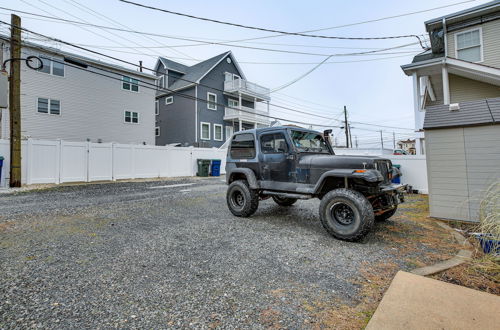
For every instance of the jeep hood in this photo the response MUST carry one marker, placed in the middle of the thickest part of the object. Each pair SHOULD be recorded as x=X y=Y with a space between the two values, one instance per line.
x=317 y=161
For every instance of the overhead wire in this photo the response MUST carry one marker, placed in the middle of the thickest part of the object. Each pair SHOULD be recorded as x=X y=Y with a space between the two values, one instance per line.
x=226 y=44
x=270 y=30
x=112 y=57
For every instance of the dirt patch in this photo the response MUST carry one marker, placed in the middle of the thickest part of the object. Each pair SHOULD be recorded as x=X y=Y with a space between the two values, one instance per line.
x=334 y=315
x=481 y=273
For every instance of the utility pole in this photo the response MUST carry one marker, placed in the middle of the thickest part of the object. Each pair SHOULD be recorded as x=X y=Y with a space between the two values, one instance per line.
x=15 y=101
x=356 y=139
x=393 y=140
x=346 y=128
x=350 y=137
x=381 y=140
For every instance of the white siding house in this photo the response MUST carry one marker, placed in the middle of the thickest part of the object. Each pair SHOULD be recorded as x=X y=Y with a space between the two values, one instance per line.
x=68 y=100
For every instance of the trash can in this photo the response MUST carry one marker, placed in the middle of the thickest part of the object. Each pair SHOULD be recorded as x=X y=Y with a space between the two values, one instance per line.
x=397 y=179
x=215 y=170
x=1 y=165
x=203 y=167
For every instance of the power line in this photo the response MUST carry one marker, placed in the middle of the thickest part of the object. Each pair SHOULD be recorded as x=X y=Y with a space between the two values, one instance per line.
x=116 y=23
x=133 y=64
x=301 y=76
x=272 y=30
x=358 y=23
x=226 y=44
x=200 y=43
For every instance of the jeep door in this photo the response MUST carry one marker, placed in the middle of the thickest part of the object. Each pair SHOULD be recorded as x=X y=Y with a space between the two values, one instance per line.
x=276 y=161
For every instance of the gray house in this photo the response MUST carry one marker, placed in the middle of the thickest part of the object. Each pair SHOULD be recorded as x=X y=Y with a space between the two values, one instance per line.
x=204 y=104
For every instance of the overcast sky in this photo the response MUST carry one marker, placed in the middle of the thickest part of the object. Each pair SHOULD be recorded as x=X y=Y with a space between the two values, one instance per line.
x=374 y=88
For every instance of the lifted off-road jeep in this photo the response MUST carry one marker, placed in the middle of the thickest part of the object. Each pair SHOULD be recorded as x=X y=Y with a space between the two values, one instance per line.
x=288 y=163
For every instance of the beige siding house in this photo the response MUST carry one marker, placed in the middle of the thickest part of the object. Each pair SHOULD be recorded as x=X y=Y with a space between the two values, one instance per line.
x=75 y=98
x=463 y=63
x=456 y=87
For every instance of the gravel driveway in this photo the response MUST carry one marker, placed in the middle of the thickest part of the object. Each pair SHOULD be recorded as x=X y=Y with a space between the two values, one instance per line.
x=169 y=254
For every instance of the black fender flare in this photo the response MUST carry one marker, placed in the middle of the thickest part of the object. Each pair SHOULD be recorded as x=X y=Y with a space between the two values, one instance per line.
x=367 y=175
x=249 y=174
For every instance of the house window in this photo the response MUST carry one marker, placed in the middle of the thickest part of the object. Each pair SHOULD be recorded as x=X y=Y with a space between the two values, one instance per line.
x=212 y=101
x=217 y=132
x=48 y=106
x=205 y=131
x=130 y=84
x=169 y=100
x=131 y=117
x=157 y=131
x=468 y=45
x=52 y=67
x=157 y=108
x=233 y=103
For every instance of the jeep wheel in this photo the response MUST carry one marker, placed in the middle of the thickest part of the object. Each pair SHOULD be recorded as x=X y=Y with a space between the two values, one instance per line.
x=283 y=201
x=241 y=200
x=386 y=215
x=346 y=214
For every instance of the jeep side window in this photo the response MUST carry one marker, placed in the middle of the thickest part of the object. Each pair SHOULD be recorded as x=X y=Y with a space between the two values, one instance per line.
x=273 y=143
x=242 y=146
x=309 y=142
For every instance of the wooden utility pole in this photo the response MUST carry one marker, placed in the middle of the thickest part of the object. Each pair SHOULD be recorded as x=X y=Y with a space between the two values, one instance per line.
x=346 y=128
x=393 y=140
x=15 y=101
x=381 y=140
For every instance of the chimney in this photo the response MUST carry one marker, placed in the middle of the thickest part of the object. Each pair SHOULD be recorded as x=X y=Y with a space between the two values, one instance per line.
x=140 y=66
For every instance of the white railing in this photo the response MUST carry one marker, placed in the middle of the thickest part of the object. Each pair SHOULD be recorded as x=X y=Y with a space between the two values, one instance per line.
x=246 y=87
x=247 y=114
x=45 y=161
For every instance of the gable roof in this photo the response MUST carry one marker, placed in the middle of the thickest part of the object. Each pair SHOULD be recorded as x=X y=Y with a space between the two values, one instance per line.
x=174 y=66
x=193 y=74
x=479 y=112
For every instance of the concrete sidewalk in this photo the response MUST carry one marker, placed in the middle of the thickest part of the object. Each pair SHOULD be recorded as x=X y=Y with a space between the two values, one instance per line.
x=417 y=302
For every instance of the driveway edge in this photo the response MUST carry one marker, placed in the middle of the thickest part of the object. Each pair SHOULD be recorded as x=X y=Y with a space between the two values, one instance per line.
x=462 y=256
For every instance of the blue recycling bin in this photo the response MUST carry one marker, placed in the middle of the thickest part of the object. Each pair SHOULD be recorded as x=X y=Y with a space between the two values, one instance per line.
x=1 y=165
x=215 y=167
x=398 y=179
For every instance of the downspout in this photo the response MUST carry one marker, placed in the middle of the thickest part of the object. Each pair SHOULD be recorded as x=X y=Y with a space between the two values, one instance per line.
x=444 y=71
x=196 y=113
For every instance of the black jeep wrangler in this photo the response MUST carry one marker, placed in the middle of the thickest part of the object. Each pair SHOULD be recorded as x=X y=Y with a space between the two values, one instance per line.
x=288 y=163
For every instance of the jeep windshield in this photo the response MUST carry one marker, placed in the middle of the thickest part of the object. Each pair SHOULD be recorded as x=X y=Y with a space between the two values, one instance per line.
x=309 y=142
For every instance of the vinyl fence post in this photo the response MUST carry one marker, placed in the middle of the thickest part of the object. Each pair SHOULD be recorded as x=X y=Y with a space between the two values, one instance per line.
x=60 y=164
x=88 y=161
x=29 y=154
x=113 y=178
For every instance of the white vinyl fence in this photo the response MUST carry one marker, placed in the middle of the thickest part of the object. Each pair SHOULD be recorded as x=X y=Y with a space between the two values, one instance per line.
x=60 y=161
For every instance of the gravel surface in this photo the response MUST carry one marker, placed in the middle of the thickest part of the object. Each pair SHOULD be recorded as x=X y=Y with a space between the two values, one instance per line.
x=145 y=255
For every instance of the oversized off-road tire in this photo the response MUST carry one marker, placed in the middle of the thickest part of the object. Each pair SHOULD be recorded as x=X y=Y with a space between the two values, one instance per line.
x=386 y=215
x=284 y=201
x=241 y=200
x=346 y=214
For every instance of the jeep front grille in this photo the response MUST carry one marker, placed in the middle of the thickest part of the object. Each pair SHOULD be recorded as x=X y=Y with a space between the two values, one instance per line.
x=384 y=167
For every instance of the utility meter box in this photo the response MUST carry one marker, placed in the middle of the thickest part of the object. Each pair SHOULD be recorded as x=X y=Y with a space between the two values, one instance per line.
x=4 y=90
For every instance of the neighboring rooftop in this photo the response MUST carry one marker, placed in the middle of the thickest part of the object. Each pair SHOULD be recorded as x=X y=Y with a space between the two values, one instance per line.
x=472 y=113
x=480 y=12
x=89 y=60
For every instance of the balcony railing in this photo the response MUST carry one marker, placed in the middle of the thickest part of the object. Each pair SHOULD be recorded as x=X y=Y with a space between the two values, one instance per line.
x=247 y=88
x=247 y=115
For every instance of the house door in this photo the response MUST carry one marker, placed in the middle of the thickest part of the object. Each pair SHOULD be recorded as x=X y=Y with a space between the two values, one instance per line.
x=229 y=132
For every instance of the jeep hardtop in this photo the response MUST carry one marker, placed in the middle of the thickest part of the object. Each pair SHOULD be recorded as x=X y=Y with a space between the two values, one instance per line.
x=289 y=163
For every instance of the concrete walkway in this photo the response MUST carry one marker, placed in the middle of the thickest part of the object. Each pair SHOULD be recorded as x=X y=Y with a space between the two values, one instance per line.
x=417 y=302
